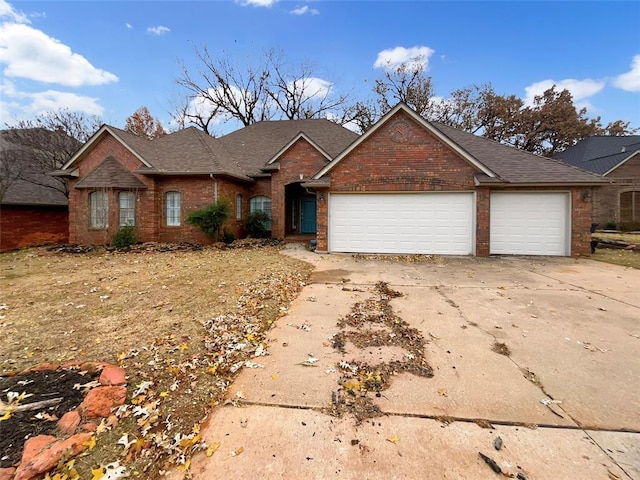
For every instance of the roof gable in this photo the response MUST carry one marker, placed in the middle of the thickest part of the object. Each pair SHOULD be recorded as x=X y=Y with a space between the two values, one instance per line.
x=600 y=154
x=111 y=174
x=401 y=107
x=294 y=140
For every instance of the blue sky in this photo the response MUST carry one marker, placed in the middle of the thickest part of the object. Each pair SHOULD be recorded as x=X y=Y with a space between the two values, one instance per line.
x=111 y=57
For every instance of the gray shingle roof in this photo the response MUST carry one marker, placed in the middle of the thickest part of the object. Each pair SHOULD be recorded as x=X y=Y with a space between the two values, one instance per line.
x=17 y=154
x=600 y=153
x=110 y=174
x=255 y=145
x=516 y=166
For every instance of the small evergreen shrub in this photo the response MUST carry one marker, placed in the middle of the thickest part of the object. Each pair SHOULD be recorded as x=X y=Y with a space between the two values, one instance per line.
x=610 y=226
x=211 y=217
x=125 y=237
x=257 y=224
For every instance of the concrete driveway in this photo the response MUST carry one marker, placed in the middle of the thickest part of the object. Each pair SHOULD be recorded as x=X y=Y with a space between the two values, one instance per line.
x=563 y=395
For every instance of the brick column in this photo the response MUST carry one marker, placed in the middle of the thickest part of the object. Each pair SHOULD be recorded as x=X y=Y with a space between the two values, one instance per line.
x=322 y=205
x=483 y=205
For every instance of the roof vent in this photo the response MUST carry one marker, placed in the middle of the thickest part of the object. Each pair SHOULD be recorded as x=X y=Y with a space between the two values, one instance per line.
x=624 y=149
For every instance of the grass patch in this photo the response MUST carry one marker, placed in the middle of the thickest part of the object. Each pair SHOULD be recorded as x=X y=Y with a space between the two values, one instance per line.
x=625 y=258
x=145 y=311
x=627 y=237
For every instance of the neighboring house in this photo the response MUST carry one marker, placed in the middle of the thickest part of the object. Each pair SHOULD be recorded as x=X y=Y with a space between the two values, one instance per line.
x=33 y=209
x=616 y=158
x=405 y=186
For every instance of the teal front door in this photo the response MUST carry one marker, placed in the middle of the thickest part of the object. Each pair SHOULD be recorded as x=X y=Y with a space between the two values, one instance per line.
x=308 y=215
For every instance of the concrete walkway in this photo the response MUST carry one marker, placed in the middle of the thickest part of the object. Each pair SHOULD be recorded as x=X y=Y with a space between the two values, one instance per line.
x=564 y=400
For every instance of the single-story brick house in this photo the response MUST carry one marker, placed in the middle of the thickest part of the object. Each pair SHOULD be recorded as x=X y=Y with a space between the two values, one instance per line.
x=405 y=186
x=618 y=159
x=33 y=209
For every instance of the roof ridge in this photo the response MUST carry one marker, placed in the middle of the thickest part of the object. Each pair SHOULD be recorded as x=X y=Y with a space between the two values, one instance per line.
x=213 y=158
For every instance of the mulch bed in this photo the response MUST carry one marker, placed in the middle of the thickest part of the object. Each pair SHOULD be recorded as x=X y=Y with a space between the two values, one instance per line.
x=37 y=386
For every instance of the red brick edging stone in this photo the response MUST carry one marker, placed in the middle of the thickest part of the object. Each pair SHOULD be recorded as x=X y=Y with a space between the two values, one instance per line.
x=43 y=452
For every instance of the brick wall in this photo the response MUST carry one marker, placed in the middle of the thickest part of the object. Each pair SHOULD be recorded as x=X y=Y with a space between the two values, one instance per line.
x=25 y=226
x=196 y=191
x=301 y=159
x=414 y=161
x=606 y=200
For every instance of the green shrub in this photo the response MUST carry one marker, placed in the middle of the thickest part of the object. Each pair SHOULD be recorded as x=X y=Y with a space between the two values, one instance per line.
x=211 y=217
x=125 y=237
x=257 y=224
x=610 y=226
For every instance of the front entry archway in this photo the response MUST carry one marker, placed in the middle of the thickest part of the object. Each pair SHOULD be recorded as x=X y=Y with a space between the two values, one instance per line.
x=301 y=213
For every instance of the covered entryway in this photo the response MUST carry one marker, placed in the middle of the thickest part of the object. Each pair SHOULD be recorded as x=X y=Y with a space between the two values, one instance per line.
x=530 y=223
x=301 y=211
x=437 y=223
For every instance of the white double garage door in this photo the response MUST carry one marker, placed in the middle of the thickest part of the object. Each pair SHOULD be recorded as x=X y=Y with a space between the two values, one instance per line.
x=444 y=223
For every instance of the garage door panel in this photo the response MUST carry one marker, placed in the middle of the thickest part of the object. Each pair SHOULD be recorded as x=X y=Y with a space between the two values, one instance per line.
x=440 y=223
x=529 y=223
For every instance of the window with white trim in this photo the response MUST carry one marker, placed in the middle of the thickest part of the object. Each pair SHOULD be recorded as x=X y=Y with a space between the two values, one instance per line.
x=263 y=204
x=99 y=209
x=238 y=207
x=172 y=203
x=127 y=207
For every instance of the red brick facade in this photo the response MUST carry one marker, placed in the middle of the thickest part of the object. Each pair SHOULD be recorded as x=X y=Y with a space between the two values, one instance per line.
x=400 y=155
x=31 y=226
x=196 y=191
x=606 y=200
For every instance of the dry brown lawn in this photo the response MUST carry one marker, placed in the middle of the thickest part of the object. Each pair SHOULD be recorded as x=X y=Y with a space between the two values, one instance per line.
x=625 y=258
x=144 y=311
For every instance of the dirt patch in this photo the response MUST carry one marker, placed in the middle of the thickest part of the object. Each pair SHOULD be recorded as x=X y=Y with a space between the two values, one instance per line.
x=501 y=348
x=329 y=276
x=58 y=392
x=145 y=310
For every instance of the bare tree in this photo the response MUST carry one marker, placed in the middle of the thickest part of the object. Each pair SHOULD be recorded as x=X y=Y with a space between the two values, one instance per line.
x=266 y=90
x=39 y=146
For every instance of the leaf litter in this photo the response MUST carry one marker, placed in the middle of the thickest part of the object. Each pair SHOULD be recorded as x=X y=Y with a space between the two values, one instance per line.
x=373 y=323
x=180 y=357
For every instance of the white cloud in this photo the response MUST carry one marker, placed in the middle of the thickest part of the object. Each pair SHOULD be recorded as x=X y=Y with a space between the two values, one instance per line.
x=579 y=89
x=7 y=12
x=31 y=54
x=630 y=81
x=22 y=104
x=159 y=30
x=256 y=3
x=129 y=26
x=413 y=57
x=303 y=10
x=311 y=87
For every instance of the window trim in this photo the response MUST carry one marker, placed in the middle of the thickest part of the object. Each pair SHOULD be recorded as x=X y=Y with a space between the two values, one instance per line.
x=95 y=208
x=263 y=199
x=239 y=201
x=634 y=208
x=130 y=209
x=171 y=210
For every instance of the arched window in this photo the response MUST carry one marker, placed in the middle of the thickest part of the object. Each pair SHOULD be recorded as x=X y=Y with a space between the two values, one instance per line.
x=261 y=203
x=99 y=209
x=127 y=205
x=172 y=204
x=630 y=206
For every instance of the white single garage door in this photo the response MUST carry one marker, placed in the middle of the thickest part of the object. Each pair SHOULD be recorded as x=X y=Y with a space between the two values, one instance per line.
x=439 y=223
x=529 y=224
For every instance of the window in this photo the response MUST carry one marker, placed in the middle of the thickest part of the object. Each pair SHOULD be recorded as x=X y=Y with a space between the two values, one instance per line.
x=99 y=202
x=172 y=201
x=261 y=203
x=630 y=206
x=127 y=203
x=238 y=207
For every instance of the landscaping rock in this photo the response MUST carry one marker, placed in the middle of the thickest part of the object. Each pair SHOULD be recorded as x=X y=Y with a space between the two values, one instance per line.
x=34 y=445
x=100 y=400
x=49 y=457
x=7 y=473
x=69 y=422
x=112 y=375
